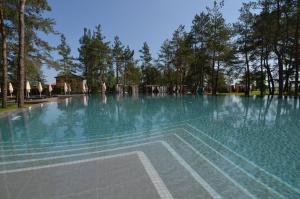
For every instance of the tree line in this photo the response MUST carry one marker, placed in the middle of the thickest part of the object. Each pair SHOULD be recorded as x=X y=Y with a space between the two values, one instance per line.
x=23 y=51
x=259 y=51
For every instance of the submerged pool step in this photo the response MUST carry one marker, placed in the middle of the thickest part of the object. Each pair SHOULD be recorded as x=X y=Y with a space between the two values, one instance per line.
x=25 y=142
x=80 y=142
x=12 y=163
x=212 y=175
x=48 y=150
x=249 y=175
x=44 y=153
x=23 y=165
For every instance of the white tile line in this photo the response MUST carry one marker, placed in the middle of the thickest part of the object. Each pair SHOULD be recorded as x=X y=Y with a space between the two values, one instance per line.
x=67 y=163
x=158 y=183
x=24 y=146
x=217 y=168
x=74 y=155
x=193 y=173
x=160 y=186
x=235 y=165
x=164 y=126
x=143 y=144
x=65 y=156
x=166 y=132
x=76 y=139
x=245 y=159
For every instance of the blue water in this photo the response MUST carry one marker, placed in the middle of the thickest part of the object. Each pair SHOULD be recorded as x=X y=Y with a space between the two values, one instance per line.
x=263 y=131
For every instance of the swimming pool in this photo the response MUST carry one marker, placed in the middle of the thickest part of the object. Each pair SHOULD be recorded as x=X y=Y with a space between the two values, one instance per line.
x=153 y=147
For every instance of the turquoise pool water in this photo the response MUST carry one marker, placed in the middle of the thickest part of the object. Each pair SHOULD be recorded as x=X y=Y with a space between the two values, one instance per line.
x=253 y=142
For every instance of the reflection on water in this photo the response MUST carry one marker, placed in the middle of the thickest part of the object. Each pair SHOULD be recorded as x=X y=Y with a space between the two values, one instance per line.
x=90 y=115
x=104 y=99
x=85 y=100
x=264 y=130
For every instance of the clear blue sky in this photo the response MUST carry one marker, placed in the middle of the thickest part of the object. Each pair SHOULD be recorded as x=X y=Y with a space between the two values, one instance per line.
x=135 y=21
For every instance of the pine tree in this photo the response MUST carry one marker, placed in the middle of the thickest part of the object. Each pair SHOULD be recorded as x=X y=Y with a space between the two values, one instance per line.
x=67 y=67
x=244 y=41
x=25 y=48
x=146 y=60
x=21 y=55
x=3 y=54
x=218 y=42
x=296 y=49
x=145 y=57
x=128 y=59
x=117 y=54
x=95 y=55
x=165 y=63
x=84 y=50
x=200 y=33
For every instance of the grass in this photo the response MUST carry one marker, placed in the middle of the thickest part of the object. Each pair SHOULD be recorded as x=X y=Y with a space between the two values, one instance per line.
x=252 y=93
x=10 y=106
x=232 y=93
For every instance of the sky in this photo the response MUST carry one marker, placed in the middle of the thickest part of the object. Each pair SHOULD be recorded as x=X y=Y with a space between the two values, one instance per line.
x=134 y=21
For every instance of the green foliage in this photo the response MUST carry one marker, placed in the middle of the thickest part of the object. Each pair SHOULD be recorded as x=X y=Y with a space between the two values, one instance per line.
x=148 y=70
x=261 y=48
x=37 y=50
x=134 y=74
x=110 y=80
x=145 y=57
x=10 y=106
x=95 y=56
x=152 y=76
x=117 y=56
x=67 y=67
x=198 y=57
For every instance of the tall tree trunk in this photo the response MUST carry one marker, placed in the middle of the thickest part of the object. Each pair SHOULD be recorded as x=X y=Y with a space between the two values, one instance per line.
x=297 y=50
x=289 y=71
x=247 y=91
x=124 y=78
x=4 y=56
x=269 y=85
x=271 y=79
x=181 y=79
x=278 y=51
x=21 y=69
x=286 y=87
x=262 y=77
x=217 y=78
x=202 y=77
x=280 y=73
x=213 y=73
x=117 y=72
